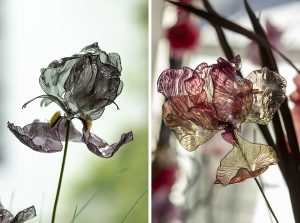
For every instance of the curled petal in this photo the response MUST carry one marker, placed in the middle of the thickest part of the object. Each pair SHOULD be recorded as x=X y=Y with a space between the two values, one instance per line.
x=188 y=133
x=245 y=160
x=22 y=216
x=101 y=148
x=25 y=215
x=270 y=93
x=171 y=82
x=5 y=216
x=39 y=136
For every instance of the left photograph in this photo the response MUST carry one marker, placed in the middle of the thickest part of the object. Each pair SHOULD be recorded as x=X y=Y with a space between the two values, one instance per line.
x=70 y=149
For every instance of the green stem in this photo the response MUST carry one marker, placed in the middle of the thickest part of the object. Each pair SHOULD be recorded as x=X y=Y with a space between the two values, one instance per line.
x=234 y=135
x=266 y=200
x=61 y=171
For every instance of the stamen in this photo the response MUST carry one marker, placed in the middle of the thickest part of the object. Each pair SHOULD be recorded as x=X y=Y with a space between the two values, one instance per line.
x=88 y=124
x=55 y=118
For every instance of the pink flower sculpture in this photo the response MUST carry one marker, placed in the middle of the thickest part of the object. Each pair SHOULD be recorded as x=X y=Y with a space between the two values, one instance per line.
x=214 y=98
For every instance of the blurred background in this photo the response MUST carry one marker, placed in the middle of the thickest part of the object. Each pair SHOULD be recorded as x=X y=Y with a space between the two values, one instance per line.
x=32 y=34
x=182 y=181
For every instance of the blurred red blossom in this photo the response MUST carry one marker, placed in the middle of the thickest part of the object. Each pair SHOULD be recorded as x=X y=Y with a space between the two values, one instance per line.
x=184 y=35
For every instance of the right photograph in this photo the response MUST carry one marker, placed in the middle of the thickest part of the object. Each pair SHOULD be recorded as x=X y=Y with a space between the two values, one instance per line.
x=225 y=98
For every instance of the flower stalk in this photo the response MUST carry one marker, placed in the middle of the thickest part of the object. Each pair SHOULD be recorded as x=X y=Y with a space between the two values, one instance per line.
x=68 y=122
x=266 y=200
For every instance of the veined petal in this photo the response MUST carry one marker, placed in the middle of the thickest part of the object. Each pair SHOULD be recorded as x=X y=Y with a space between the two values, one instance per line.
x=201 y=114
x=101 y=148
x=270 y=88
x=190 y=135
x=171 y=82
x=24 y=215
x=245 y=160
x=39 y=136
x=232 y=96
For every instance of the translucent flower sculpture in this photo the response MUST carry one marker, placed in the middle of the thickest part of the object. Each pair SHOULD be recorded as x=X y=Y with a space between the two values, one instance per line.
x=212 y=98
x=22 y=216
x=82 y=85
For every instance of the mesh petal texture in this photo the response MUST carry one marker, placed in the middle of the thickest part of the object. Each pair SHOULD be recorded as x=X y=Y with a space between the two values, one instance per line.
x=39 y=136
x=270 y=88
x=85 y=82
x=187 y=132
x=245 y=160
x=22 y=216
x=204 y=100
x=101 y=148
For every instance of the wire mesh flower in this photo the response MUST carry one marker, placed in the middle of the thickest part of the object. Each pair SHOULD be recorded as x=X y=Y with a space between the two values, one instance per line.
x=82 y=85
x=22 y=216
x=203 y=101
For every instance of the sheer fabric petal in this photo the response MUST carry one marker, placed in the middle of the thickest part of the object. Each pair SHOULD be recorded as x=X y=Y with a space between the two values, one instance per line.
x=232 y=96
x=85 y=82
x=101 y=148
x=245 y=160
x=22 y=216
x=5 y=216
x=39 y=136
x=270 y=93
x=171 y=82
x=25 y=215
x=190 y=135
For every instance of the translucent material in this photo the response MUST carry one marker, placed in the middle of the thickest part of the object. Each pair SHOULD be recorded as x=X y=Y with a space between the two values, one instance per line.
x=85 y=83
x=244 y=161
x=187 y=132
x=22 y=216
x=269 y=93
x=101 y=148
x=211 y=98
x=41 y=137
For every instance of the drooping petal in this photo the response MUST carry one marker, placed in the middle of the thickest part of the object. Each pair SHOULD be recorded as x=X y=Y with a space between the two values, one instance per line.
x=270 y=93
x=232 y=96
x=245 y=160
x=101 y=148
x=190 y=135
x=24 y=215
x=74 y=134
x=39 y=136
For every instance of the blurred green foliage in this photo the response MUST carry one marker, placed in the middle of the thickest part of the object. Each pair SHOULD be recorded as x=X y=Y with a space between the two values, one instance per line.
x=114 y=201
